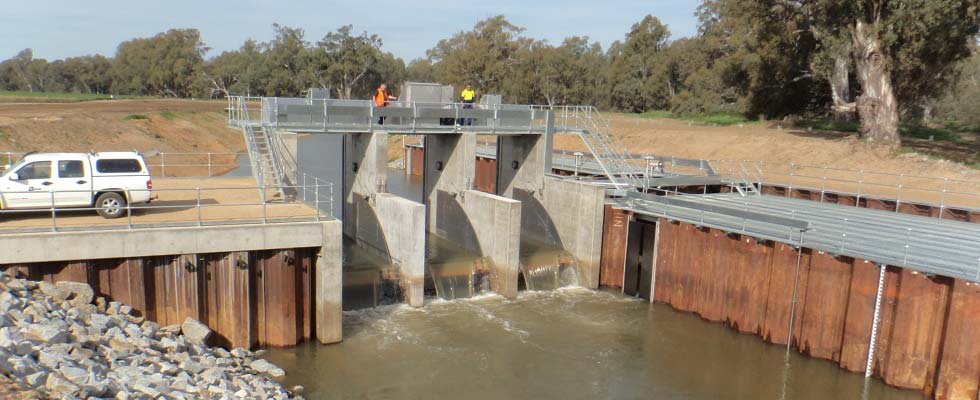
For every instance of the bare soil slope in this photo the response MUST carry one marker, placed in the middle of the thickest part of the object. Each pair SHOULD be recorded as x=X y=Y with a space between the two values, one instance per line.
x=163 y=125
x=767 y=142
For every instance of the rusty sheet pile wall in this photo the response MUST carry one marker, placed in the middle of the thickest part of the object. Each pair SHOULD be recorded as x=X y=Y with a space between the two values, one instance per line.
x=254 y=298
x=927 y=339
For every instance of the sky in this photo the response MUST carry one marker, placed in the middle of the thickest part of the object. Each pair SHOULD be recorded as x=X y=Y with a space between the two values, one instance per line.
x=57 y=29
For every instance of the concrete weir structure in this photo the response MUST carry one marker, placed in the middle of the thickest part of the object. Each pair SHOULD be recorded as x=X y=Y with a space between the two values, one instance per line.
x=253 y=285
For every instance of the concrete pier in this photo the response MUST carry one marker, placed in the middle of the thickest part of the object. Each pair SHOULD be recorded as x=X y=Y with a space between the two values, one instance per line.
x=364 y=172
x=477 y=221
x=395 y=227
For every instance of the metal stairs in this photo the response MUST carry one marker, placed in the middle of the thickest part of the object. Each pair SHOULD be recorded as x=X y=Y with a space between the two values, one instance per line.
x=262 y=155
x=594 y=132
x=743 y=183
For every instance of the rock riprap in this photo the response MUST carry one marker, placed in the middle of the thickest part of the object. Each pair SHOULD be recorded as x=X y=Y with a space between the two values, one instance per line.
x=55 y=341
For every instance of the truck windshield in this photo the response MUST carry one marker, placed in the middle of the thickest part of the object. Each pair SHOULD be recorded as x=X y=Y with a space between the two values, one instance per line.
x=16 y=165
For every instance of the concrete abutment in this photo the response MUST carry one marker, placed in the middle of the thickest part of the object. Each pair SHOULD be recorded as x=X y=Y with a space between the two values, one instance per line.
x=256 y=285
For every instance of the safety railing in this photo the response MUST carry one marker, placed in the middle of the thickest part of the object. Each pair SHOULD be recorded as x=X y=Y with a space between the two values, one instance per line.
x=925 y=245
x=336 y=115
x=942 y=193
x=188 y=165
x=221 y=204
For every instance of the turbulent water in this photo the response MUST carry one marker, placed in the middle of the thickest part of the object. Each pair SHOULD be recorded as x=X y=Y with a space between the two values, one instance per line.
x=566 y=344
x=569 y=343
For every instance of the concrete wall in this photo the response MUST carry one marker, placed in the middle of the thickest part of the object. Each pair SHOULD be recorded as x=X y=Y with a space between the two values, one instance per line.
x=364 y=173
x=449 y=169
x=275 y=285
x=490 y=225
x=395 y=227
x=521 y=163
x=568 y=214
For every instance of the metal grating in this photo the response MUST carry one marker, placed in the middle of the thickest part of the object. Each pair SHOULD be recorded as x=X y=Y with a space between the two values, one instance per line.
x=927 y=245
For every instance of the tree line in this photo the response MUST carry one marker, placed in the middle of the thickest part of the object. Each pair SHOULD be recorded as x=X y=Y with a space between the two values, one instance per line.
x=875 y=61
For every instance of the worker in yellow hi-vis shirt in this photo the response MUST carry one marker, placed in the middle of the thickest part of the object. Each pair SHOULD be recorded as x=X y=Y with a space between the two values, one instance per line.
x=468 y=95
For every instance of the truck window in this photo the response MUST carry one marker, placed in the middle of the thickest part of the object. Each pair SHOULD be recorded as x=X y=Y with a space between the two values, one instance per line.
x=35 y=170
x=71 y=169
x=117 y=166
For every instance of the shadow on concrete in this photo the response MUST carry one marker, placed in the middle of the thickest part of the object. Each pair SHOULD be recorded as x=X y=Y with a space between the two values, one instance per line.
x=453 y=224
x=535 y=220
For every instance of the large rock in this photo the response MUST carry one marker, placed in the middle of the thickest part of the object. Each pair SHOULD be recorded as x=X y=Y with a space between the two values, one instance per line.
x=78 y=293
x=49 y=332
x=59 y=386
x=195 y=331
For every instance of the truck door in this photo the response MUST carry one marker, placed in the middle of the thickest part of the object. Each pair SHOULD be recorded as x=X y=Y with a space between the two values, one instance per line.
x=72 y=183
x=32 y=189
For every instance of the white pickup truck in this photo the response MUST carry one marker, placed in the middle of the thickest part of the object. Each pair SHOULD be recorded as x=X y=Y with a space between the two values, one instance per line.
x=106 y=181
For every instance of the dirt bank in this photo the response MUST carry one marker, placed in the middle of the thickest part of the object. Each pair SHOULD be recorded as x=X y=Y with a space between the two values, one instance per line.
x=163 y=125
x=767 y=142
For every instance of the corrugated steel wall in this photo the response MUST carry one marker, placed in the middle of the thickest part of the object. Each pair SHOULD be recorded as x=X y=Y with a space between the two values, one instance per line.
x=927 y=339
x=260 y=298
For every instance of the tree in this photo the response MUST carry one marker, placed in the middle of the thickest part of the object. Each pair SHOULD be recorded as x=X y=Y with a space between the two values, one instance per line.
x=638 y=80
x=484 y=57
x=168 y=64
x=285 y=63
x=903 y=52
x=341 y=61
x=241 y=71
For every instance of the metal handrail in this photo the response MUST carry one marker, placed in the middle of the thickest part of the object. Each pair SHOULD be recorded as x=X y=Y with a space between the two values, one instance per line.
x=314 y=193
x=794 y=176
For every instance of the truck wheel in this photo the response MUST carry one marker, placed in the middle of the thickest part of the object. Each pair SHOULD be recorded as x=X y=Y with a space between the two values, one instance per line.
x=110 y=205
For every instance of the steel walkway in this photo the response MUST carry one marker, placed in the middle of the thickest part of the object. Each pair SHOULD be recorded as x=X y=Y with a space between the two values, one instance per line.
x=928 y=245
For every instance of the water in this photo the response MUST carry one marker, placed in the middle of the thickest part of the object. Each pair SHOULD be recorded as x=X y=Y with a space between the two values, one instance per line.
x=545 y=267
x=570 y=343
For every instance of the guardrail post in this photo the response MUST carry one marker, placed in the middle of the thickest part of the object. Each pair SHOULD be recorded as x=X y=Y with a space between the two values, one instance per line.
x=942 y=199
x=908 y=241
x=54 y=214
x=199 y=221
x=209 y=165
x=163 y=165
x=316 y=194
x=129 y=209
x=901 y=182
x=857 y=200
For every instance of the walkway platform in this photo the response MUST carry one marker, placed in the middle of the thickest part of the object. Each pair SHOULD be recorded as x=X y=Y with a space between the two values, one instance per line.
x=927 y=245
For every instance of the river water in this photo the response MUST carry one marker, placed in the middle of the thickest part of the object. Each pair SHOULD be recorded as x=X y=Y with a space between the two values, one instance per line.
x=569 y=343
x=565 y=343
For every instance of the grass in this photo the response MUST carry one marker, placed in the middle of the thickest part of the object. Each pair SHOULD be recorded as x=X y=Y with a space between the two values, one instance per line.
x=721 y=119
x=827 y=125
x=50 y=97
x=169 y=115
x=907 y=131
x=135 y=117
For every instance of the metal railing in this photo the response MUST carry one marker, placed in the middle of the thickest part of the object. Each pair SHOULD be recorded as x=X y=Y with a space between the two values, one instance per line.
x=190 y=165
x=311 y=201
x=930 y=246
x=943 y=193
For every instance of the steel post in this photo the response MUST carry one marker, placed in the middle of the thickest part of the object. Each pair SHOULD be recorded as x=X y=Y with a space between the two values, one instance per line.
x=873 y=341
x=54 y=214
x=796 y=286
x=199 y=222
